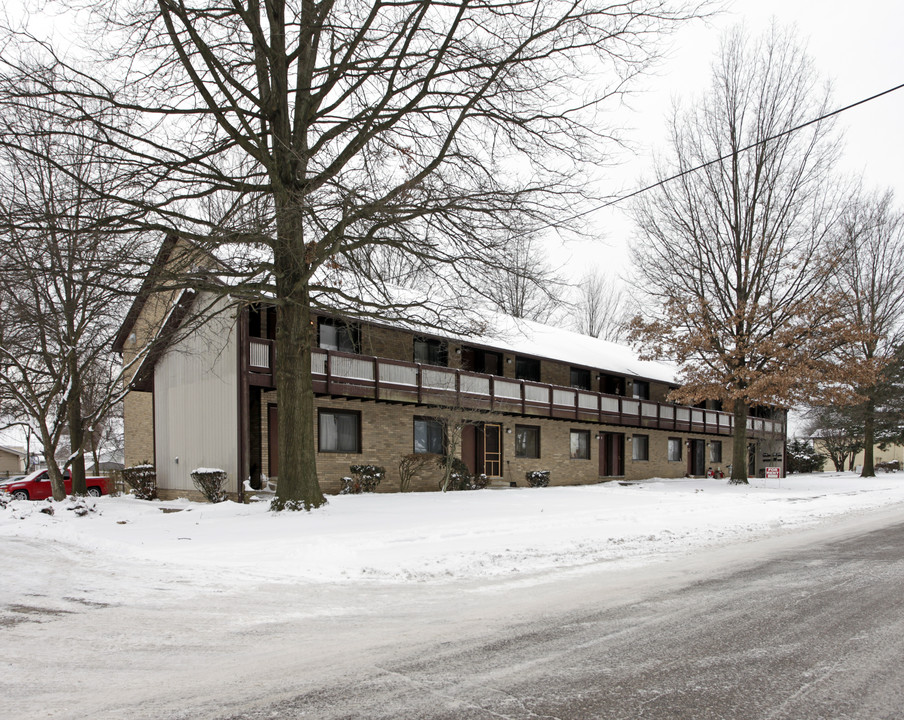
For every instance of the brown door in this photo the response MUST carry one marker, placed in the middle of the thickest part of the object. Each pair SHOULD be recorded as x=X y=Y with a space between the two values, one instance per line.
x=492 y=450
x=612 y=454
x=469 y=447
x=696 y=458
x=272 y=441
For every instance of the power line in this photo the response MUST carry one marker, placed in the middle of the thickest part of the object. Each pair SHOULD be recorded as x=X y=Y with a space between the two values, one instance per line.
x=743 y=149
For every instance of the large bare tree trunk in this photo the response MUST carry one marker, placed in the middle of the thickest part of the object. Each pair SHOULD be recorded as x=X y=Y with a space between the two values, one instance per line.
x=869 y=439
x=739 y=446
x=297 y=484
x=57 y=487
x=76 y=429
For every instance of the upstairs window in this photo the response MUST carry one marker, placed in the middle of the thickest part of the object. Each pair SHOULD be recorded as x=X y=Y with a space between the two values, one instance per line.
x=642 y=389
x=429 y=351
x=580 y=378
x=612 y=385
x=481 y=361
x=527 y=369
x=338 y=335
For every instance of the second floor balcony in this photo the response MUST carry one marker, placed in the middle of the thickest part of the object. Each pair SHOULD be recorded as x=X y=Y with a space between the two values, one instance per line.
x=373 y=378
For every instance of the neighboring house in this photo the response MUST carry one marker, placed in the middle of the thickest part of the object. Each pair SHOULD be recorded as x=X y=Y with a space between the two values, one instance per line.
x=535 y=398
x=106 y=467
x=889 y=454
x=12 y=461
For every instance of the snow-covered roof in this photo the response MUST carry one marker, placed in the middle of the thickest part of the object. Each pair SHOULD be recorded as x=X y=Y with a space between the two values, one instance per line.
x=526 y=337
x=503 y=332
x=13 y=450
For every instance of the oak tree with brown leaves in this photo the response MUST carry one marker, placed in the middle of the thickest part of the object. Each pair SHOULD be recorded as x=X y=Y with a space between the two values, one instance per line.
x=734 y=256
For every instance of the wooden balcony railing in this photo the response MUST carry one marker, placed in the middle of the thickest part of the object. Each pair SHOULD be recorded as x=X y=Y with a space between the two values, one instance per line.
x=360 y=376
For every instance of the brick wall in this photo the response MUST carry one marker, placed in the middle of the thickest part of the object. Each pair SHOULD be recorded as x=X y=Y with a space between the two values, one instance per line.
x=387 y=434
x=138 y=419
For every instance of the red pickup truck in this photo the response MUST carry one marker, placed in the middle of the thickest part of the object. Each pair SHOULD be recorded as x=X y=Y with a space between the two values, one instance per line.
x=36 y=486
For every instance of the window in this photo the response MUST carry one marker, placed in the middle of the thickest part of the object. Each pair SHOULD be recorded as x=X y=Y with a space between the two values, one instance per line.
x=642 y=389
x=674 y=449
x=339 y=431
x=527 y=369
x=527 y=441
x=481 y=361
x=580 y=378
x=640 y=447
x=428 y=351
x=580 y=444
x=428 y=436
x=338 y=335
x=612 y=385
x=715 y=451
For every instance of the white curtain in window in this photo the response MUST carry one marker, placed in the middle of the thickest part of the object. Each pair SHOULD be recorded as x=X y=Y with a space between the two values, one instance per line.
x=338 y=432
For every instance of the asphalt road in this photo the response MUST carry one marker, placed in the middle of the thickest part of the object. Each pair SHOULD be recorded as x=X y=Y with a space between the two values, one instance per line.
x=813 y=631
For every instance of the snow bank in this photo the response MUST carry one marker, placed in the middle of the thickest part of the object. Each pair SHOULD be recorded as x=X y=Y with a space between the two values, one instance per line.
x=432 y=537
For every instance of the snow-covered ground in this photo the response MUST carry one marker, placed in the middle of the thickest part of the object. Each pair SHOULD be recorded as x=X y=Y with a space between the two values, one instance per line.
x=424 y=537
x=165 y=610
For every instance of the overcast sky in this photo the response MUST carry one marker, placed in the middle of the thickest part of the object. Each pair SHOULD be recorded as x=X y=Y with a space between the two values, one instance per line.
x=856 y=46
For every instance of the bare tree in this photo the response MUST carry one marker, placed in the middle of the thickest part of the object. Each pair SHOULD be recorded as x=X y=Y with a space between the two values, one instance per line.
x=869 y=280
x=294 y=139
x=601 y=307
x=523 y=284
x=734 y=254
x=63 y=282
x=838 y=431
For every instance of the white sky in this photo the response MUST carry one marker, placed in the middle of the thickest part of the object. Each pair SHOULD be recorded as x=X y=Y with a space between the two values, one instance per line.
x=856 y=46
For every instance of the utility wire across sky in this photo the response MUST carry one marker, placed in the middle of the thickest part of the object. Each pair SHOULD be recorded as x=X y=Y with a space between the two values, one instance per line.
x=642 y=190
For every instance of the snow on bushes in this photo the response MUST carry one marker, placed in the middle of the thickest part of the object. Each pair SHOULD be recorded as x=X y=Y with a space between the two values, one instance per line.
x=142 y=479
x=537 y=478
x=211 y=483
x=365 y=479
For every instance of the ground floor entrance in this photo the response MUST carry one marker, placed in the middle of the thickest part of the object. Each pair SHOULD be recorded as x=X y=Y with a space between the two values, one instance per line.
x=481 y=449
x=696 y=458
x=612 y=454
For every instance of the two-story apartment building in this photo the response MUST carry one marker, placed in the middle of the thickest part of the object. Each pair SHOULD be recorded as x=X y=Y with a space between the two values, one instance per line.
x=523 y=397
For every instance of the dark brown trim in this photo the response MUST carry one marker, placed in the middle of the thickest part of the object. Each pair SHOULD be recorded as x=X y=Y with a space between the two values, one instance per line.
x=144 y=373
x=243 y=400
x=272 y=440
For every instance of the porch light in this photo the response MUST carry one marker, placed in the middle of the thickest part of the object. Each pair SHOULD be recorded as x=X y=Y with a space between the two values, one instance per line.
x=629 y=438
x=508 y=431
